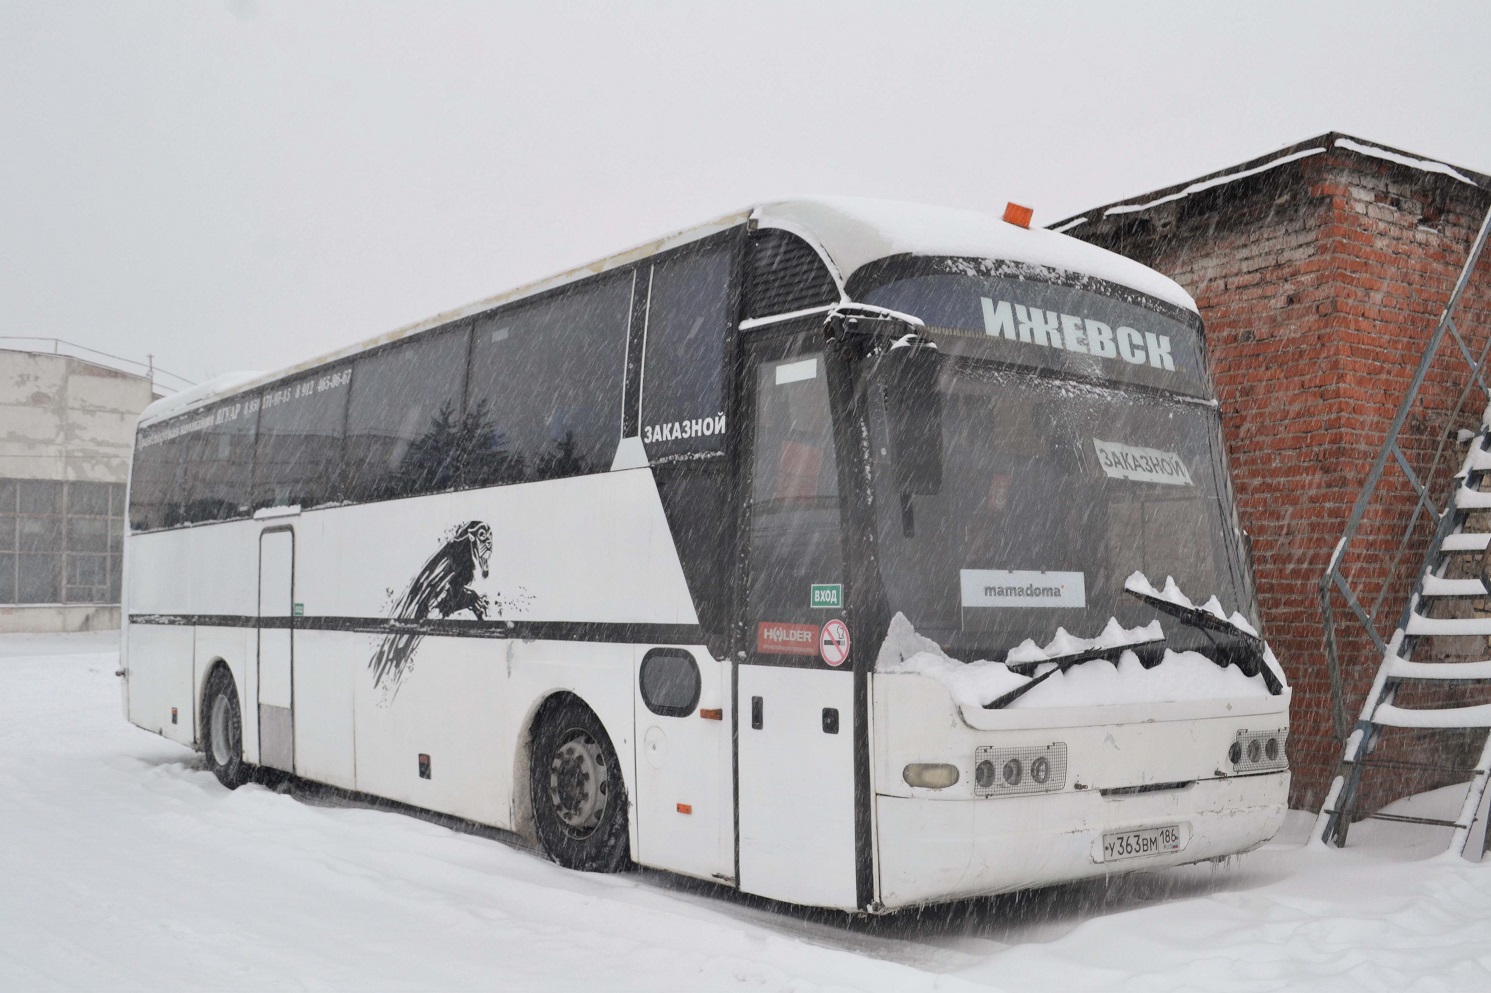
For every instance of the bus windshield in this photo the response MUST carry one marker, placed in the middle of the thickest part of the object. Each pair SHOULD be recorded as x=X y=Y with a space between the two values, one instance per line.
x=1055 y=488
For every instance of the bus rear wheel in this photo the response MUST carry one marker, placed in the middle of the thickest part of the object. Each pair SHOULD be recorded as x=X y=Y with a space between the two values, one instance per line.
x=222 y=730
x=579 y=799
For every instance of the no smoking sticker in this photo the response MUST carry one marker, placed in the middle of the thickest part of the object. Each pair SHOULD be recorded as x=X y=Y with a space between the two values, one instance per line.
x=833 y=642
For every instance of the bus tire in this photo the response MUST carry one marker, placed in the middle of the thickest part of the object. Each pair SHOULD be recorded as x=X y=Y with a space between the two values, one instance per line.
x=579 y=798
x=222 y=729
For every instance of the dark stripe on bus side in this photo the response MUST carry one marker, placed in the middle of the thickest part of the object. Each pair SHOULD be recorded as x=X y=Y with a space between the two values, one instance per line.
x=587 y=631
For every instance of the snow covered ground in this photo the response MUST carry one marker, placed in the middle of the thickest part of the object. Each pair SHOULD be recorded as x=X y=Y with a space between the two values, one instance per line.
x=124 y=865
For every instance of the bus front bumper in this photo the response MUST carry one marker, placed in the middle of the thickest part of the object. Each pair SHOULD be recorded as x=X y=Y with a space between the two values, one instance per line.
x=937 y=850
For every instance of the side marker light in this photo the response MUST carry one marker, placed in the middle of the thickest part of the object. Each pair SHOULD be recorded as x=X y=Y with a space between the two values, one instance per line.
x=930 y=775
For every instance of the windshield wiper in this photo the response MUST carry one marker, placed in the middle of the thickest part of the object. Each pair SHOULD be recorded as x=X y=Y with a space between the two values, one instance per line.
x=1148 y=651
x=1231 y=645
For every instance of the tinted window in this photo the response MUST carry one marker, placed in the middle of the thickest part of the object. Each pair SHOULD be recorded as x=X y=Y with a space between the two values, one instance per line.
x=980 y=307
x=404 y=424
x=683 y=408
x=156 y=485
x=545 y=386
x=219 y=463
x=298 y=453
x=670 y=682
x=795 y=540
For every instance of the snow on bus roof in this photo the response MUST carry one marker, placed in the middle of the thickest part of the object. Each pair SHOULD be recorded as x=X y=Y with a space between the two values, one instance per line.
x=852 y=232
x=170 y=406
x=847 y=231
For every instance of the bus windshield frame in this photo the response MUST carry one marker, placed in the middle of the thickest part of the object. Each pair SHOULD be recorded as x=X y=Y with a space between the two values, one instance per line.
x=1062 y=472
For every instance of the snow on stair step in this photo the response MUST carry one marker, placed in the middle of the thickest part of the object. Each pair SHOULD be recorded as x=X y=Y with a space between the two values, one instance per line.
x=1476 y=460
x=1419 y=625
x=1444 y=717
x=1401 y=668
x=1468 y=499
x=1466 y=542
x=1438 y=586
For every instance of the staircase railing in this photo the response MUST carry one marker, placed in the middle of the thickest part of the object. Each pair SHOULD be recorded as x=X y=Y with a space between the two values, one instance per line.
x=1447 y=345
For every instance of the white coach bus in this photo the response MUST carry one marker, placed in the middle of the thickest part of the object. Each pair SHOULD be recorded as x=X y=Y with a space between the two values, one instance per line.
x=670 y=560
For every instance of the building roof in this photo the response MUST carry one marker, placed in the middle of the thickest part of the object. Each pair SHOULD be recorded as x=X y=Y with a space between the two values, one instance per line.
x=1331 y=141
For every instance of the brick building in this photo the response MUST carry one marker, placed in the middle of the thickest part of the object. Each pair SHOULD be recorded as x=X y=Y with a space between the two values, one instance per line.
x=1321 y=271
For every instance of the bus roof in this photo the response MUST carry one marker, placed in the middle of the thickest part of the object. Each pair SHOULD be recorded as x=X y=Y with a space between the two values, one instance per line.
x=847 y=231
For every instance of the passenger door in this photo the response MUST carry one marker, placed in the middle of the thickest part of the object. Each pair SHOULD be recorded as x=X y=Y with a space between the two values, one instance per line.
x=276 y=648
x=795 y=697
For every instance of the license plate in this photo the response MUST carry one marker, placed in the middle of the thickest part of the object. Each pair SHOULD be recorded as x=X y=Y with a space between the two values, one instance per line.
x=1137 y=844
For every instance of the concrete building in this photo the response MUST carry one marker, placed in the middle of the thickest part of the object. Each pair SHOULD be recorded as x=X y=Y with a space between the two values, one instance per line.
x=1320 y=270
x=66 y=431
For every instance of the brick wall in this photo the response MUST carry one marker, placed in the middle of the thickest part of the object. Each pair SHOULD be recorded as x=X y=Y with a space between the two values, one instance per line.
x=1320 y=281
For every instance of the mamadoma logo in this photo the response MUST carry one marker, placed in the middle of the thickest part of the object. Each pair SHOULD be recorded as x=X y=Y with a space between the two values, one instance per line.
x=1023 y=588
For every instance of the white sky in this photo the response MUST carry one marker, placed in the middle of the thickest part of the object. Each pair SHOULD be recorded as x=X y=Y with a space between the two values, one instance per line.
x=243 y=184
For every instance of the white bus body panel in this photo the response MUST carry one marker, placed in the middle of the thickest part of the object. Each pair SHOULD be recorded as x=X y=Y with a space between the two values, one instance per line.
x=162 y=679
x=327 y=666
x=683 y=803
x=949 y=843
x=583 y=549
x=797 y=786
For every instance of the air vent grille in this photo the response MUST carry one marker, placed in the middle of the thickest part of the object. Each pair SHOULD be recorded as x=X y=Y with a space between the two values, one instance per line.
x=784 y=274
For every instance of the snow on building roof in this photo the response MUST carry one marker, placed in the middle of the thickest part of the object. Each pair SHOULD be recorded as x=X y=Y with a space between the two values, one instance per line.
x=1304 y=149
x=849 y=232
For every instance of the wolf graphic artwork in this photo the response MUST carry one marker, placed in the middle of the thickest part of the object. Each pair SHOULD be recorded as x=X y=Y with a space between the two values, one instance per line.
x=443 y=587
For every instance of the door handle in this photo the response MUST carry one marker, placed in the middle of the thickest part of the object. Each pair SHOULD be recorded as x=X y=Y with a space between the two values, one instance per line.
x=756 y=713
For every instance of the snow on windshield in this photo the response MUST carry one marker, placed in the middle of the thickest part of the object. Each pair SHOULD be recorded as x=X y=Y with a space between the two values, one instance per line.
x=1179 y=676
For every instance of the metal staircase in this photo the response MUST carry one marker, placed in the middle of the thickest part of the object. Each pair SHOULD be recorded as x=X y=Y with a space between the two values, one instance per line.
x=1451 y=580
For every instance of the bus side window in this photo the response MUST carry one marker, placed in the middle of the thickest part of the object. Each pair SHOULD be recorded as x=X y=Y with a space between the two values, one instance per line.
x=404 y=425
x=298 y=453
x=544 y=400
x=154 y=479
x=683 y=405
x=219 y=462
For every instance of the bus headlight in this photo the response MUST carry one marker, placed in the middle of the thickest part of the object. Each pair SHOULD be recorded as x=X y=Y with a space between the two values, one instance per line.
x=1258 y=751
x=930 y=775
x=1019 y=771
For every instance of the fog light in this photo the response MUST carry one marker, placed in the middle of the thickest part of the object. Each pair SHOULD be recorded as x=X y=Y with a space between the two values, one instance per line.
x=1234 y=754
x=930 y=775
x=1272 y=749
x=1255 y=751
x=1012 y=772
x=1040 y=769
x=983 y=775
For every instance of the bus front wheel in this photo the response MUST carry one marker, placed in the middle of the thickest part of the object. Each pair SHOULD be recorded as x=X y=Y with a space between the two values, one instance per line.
x=222 y=730
x=579 y=799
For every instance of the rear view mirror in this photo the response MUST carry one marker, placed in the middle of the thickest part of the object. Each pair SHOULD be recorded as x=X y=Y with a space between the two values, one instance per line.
x=913 y=410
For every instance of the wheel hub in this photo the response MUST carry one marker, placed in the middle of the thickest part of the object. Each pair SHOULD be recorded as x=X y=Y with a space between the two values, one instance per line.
x=579 y=783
